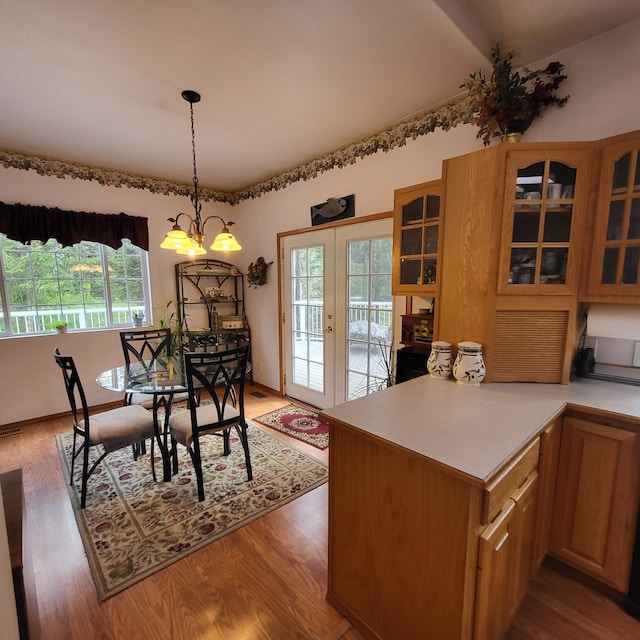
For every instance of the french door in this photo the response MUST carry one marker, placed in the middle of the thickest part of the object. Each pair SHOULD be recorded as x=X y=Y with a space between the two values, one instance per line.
x=338 y=312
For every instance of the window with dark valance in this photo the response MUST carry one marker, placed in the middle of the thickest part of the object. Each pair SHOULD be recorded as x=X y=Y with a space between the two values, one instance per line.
x=26 y=223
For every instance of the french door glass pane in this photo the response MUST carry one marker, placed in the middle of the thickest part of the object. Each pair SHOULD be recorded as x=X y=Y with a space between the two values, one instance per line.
x=369 y=316
x=307 y=296
x=380 y=256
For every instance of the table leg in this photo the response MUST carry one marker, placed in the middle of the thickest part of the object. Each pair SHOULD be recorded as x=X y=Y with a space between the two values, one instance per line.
x=162 y=432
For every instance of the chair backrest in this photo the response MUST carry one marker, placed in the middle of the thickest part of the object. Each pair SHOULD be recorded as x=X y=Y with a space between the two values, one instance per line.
x=145 y=346
x=75 y=392
x=224 y=371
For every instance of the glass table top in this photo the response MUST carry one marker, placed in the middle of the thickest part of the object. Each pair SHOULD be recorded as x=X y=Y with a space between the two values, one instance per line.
x=160 y=377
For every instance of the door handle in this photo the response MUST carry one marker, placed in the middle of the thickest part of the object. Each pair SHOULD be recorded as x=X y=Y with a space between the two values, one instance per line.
x=329 y=330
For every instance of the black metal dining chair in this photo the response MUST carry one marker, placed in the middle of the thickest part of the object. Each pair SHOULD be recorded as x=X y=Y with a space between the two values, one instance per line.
x=219 y=379
x=146 y=348
x=112 y=430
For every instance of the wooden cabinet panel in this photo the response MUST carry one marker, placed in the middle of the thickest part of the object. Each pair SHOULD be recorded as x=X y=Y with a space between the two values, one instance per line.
x=597 y=500
x=547 y=473
x=526 y=502
x=417 y=227
x=614 y=273
x=509 y=480
x=546 y=191
x=505 y=562
x=495 y=575
x=402 y=540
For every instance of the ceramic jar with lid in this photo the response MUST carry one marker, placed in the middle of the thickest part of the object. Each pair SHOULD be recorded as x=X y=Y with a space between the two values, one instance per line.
x=469 y=366
x=439 y=362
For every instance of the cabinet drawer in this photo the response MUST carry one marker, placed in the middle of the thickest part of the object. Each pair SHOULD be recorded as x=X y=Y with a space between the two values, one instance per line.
x=507 y=482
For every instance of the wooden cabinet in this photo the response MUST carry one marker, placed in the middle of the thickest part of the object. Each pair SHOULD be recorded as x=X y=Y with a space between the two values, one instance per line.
x=416 y=239
x=614 y=273
x=510 y=264
x=506 y=546
x=417 y=550
x=417 y=330
x=597 y=500
x=542 y=225
x=403 y=540
x=505 y=562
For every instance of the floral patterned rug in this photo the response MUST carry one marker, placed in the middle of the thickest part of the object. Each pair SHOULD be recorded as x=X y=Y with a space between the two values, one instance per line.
x=298 y=422
x=132 y=527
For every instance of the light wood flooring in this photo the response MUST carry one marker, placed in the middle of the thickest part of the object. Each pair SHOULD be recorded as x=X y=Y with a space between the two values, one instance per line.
x=265 y=581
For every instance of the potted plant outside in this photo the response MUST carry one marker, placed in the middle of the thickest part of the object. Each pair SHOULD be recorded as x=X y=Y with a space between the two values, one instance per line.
x=509 y=100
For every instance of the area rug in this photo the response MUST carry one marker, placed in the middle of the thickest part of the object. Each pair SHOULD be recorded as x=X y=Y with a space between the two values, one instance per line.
x=132 y=527
x=298 y=422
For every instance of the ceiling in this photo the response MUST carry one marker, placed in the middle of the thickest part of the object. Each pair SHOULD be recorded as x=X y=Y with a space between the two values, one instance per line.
x=282 y=81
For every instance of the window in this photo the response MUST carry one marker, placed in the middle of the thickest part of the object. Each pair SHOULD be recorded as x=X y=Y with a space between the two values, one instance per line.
x=87 y=285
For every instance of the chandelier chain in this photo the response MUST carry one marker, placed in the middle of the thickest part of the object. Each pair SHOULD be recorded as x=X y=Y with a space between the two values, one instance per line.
x=194 y=199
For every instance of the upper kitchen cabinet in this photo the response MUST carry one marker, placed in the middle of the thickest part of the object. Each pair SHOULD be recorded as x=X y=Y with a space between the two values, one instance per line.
x=614 y=271
x=416 y=239
x=546 y=190
x=513 y=221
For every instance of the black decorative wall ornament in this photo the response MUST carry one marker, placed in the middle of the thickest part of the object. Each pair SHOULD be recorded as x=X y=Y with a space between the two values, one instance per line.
x=333 y=209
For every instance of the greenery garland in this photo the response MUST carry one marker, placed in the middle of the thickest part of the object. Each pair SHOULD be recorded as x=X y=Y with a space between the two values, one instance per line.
x=459 y=110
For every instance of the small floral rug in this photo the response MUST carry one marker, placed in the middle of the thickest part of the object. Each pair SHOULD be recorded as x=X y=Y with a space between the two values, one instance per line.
x=132 y=526
x=298 y=422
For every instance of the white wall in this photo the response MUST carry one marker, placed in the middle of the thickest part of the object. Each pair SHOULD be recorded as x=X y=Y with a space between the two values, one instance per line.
x=604 y=84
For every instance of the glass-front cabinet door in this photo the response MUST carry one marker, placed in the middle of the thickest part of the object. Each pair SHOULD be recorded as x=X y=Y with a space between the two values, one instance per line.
x=416 y=231
x=615 y=270
x=542 y=221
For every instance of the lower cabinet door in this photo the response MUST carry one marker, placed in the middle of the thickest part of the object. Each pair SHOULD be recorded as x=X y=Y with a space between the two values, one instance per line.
x=505 y=562
x=524 y=561
x=596 y=502
x=495 y=575
x=548 y=475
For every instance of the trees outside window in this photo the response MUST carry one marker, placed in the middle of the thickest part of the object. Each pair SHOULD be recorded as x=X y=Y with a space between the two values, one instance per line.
x=87 y=286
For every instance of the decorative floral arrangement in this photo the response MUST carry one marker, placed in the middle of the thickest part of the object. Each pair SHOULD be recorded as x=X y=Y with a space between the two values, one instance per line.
x=509 y=101
x=257 y=273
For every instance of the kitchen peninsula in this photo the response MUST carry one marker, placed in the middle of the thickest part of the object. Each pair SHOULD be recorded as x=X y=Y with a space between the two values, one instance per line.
x=441 y=499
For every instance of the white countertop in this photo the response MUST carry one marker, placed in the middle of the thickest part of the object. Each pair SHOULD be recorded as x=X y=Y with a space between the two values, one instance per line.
x=475 y=430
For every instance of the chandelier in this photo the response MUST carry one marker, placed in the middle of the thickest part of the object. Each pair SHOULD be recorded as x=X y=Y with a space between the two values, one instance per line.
x=190 y=242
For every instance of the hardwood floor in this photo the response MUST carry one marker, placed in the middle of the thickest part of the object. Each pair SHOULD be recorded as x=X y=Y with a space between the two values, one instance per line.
x=265 y=581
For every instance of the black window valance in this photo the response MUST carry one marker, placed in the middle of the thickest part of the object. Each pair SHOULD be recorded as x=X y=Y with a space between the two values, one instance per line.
x=25 y=223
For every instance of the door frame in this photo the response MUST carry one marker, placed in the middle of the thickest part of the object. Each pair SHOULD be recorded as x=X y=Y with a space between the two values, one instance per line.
x=280 y=238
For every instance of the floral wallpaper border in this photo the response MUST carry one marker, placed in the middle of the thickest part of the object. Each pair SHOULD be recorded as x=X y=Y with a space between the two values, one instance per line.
x=457 y=111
